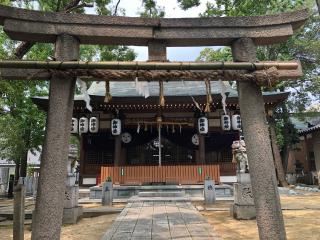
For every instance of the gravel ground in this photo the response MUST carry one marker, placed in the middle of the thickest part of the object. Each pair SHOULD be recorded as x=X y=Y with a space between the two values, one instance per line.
x=301 y=220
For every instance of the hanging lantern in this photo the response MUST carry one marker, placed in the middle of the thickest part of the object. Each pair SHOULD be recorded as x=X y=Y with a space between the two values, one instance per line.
x=93 y=125
x=116 y=127
x=195 y=139
x=203 y=125
x=126 y=137
x=225 y=122
x=74 y=125
x=236 y=122
x=83 y=125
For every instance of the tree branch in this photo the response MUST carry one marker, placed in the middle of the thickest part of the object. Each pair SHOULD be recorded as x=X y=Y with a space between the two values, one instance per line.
x=24 y=47
x=71 y=5
x=78 y=6
x=116 y=9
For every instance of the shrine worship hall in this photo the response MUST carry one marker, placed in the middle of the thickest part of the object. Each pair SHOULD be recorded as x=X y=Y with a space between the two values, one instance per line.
x=120 y=138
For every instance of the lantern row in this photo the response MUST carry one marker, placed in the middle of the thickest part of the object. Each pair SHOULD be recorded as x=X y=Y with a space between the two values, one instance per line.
x=227 y=123
x=85 y=125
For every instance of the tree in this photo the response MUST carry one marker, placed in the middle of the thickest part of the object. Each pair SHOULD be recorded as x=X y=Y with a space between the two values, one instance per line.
x=302 y=46
x=21 y=123
x=151 y=9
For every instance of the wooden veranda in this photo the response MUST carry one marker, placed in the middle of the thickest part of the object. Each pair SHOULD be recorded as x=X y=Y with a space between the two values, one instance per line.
x=137 y=175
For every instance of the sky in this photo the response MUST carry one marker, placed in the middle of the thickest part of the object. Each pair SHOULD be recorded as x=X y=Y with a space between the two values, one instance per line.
x=172 y=10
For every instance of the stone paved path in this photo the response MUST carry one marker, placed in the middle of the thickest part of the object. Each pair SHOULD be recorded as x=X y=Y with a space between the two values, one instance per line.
x=160 y=221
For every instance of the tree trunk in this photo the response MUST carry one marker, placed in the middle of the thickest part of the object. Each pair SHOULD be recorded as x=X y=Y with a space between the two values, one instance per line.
x=318 y=5
x=53 y=169
x=24 y=165
x=276 y=154
x=256 y=133
x=16 y=174
x=24 y=160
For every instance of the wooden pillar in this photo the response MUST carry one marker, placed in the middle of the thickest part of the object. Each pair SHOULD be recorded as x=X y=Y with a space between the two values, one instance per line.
x=117 y=151
x=306 y=154
x=82 y=158
x=276 y=153
x=202 y=150
x=256 y=134
x=50 y=199
x=157 y=51
x=316 y=150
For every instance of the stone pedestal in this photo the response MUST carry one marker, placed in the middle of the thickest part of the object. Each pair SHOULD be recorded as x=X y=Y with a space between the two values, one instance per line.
x=19 y=212
x=71 y=211
x=209 y=192
x=243 y=207
x=107 y=193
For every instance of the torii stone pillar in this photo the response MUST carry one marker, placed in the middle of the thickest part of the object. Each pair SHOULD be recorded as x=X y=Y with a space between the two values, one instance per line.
x=262 y=170
x=51 y=190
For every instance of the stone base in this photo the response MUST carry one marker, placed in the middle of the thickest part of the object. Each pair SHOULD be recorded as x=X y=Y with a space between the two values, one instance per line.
x=243 y=212
x=72 y=215
x=209 y=192
x=244 y=178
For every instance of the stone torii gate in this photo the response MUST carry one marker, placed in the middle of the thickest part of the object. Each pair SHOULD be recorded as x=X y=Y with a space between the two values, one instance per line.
x=68 y=31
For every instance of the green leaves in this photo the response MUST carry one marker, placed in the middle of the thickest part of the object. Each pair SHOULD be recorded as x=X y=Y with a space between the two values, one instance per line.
x=151 y=9
x=22 y=124
x=250 y=8
x=210 y=54
x=186 y=4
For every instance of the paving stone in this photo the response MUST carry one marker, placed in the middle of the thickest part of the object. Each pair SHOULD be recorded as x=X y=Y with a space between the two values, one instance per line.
x=159 y=221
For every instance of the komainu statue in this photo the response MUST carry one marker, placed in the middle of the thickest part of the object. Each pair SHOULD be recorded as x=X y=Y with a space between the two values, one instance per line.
x=240 y=156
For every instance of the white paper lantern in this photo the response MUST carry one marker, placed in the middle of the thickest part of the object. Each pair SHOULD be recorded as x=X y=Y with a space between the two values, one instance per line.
x=93 y=125
x=236 y=122
x=203 y=125
x=126 y=137
x=74 y=125
x=225 y=122
x=115 y=127
x=195 y=139
x=83 y=125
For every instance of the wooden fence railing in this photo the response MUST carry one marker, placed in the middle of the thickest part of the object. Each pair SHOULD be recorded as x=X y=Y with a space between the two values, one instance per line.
x=191 y=174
